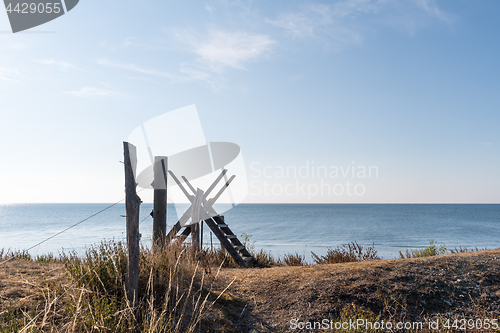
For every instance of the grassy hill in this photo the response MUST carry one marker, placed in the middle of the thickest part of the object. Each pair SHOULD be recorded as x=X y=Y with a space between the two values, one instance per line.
x=184 y=292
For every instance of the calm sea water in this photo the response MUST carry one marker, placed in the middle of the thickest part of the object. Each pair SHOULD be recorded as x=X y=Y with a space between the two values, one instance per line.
x=279 y=228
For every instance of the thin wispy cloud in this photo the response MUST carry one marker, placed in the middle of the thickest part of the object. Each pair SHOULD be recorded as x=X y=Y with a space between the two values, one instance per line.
x=54 y=62
x=14 y=46
x=209 y=9
x=298 y=25
x=132 y=42
x=193 y=74
x=9 y=75
x=138 y=69
x=186 y=72
x=93 y=92
x=222 y=49
x=346 y=22
x=320 y=20
x=337 y=22
x=62 y=66
x=432 y=8
x=211 y=55
x=486 y=144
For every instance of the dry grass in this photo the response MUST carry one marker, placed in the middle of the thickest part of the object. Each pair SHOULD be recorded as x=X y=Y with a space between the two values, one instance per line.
x=186 y=292
x=454 y=286
x=346 y=253
x=178 y=291
x=294 y=259
x=265 y=259
x=25 y=287
x=429 y=251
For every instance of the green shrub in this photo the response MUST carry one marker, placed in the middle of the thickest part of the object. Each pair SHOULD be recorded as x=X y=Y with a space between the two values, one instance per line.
x=45 y=258
x=261 y=258
x=245 y=240
x=429 y=251
x=21 y=255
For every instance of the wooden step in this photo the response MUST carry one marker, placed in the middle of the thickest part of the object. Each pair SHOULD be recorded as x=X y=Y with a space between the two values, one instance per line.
x=227 y=241
x=247 y=259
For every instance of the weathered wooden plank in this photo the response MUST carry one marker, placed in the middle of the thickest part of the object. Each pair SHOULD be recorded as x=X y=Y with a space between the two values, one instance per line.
x=208 y=209
x=182 y=237
x=225 y=243
x=211 y=201
x=219 y=220
x=231 y=236
x=195 y=219
x=160 y=202
x=132 y=204
x=217 y=180
x=190 y=197
x=173 y=232
x=195 y=236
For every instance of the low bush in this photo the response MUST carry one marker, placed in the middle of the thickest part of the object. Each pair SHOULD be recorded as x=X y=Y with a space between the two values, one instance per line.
x=465 y=249
x=346 y=253
x=429 y=251
x=294 y=259
x=265 y=259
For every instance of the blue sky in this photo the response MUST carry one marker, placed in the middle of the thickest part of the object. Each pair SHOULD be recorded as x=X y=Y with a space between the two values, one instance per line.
x=410 y=87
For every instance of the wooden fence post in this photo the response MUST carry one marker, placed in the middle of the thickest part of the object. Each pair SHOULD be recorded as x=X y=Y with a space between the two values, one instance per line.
x=195 y=236
x=160 y=202
x=132 y=204
x=222 y=219
x=195 y=228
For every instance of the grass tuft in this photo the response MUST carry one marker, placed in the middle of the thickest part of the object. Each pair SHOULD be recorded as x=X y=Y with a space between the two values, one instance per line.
x=177 y=289
x=346 y=253
x=294 y=259
x=429 y=251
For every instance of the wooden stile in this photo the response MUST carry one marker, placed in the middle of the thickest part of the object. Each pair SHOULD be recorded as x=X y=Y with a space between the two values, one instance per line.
x=201 y=210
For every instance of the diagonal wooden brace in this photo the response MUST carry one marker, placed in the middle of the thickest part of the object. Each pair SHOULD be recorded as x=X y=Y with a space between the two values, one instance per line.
x=211 y=201
x=211 y=212
x=210 y=189
x=190 y=197
x=201 y=208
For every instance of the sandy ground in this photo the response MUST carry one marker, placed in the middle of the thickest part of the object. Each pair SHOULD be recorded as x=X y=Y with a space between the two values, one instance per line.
x=27 y=287
x=465 y=285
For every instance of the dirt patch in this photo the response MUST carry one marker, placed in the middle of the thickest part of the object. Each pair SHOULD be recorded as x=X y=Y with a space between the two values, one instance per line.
x=464 y=285
x=26 y=285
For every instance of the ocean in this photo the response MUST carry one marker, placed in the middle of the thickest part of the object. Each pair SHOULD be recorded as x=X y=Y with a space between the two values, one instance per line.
x=279 y=228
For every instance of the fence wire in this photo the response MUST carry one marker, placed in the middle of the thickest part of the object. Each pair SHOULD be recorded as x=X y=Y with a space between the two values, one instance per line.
x=72 y=286
x=90 y=270
x=62 y=231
